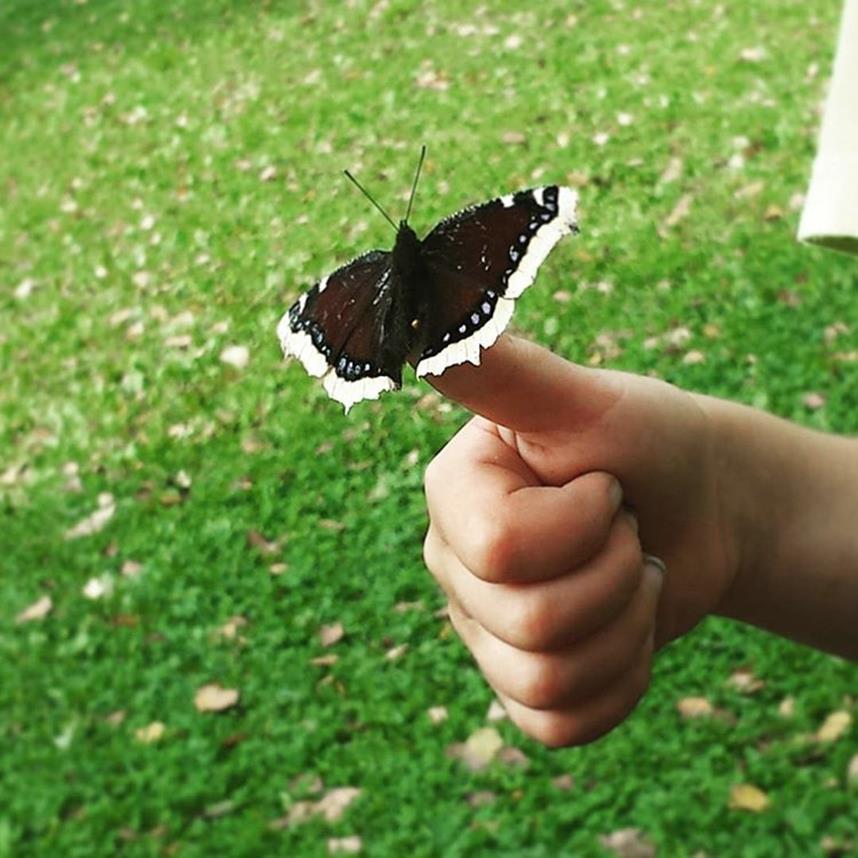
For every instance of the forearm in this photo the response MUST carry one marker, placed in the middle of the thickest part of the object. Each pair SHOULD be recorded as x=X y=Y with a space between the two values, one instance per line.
x=792 y=496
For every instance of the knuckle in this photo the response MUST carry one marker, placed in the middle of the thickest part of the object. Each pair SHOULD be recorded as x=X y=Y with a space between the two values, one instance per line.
x=542 y=686
x=530 y=623
x=433 y=477
x=562 y=730
x=493 y=550
x=628 y=560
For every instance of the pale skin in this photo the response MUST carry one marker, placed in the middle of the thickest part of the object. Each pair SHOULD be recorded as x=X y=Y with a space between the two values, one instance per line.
x=545 y=508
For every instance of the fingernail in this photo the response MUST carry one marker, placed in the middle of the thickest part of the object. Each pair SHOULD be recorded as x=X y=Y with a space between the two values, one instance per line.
x=615 y=492
x=656 y=563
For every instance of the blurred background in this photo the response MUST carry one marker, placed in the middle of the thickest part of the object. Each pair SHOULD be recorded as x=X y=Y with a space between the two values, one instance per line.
x=217 y=635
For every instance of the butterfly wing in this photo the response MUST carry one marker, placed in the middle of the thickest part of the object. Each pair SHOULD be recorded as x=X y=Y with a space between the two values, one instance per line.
x=339 y=330
x=477 y=262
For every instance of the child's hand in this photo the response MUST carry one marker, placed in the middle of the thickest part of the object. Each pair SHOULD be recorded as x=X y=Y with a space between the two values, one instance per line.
x=543 y=510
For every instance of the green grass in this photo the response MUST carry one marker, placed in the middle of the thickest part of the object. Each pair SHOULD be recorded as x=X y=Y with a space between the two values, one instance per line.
x=114 y=111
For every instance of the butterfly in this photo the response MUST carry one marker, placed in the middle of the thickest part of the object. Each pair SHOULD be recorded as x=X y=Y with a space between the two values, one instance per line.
x=438 y=301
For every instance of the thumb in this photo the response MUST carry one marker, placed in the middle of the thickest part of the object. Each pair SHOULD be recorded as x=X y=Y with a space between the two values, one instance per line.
x=527 y=388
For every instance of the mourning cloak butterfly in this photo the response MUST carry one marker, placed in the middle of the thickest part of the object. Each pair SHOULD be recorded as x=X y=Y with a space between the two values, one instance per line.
x=439 y=300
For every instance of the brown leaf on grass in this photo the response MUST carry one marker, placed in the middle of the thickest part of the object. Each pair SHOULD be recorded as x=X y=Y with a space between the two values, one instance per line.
x=150 y=733
x=748 y=797
x=834 y=727
x=852 y=771
x=512 y=756
x=497 y=712
x=481 y=798
x=325 y=660
x=333 y=804
x=236 y=356
x=329 y=635
x=350 y=845
x=479 y=750
x=513 y=138
x=749 y=191
x=628 y=843
x=94 y=522
x=744 y=681
x=437 y=714
x=131 y=568
x=396 y=652
x=215 y=698
x=835 y=330
x=564 y=782
x=115 y=718
x=789 y=298
x=229 y=630
x=331 y=524
x=265 y=546
x=278 y=568
x=37 y=611
x=680 y=211
x=672 y=171
x=813 y=400
x=694 y=707
x=786 y=708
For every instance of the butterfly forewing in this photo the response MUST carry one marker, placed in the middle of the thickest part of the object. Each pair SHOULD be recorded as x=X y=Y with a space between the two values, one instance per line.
x=477 y=262
x=337 y=330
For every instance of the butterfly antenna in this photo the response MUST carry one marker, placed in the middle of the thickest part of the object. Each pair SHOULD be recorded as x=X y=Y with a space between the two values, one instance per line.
x=414 y=185
x=369 y=196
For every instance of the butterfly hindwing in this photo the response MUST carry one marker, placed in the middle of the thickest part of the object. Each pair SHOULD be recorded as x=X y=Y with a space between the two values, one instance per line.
x=340 y=330
x=477 y=262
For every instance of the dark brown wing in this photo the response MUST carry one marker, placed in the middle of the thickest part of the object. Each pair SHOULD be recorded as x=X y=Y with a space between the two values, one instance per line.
x=477 y=262
x=337 y=330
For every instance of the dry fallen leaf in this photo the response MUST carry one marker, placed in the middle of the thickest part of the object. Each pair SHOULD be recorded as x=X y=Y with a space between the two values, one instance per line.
x=345 y=845
x=94 y=522
x=694 y=707
x=813 y=400
x=834 y=726
x=329 y=635
x=743 y=680
x=479 y=749
x=98 y=588
x=150 y=733
x=396 y=652
x=131 y=568
x=481 y=798
x=680 y=211
x=237 y=356
x=37 y=611
x=215 y=698
x=497 y=712
x=333 y=804
x=748 y=797
x=229 y=630
x=564 y=782
x=786 y=708
x=265 y=546
x=672 y=171
x=852 y=771
x=512 y=756
x=437 y=714
x=325 y=660
x=115 y=718
x=628 y=843
x=513 y=138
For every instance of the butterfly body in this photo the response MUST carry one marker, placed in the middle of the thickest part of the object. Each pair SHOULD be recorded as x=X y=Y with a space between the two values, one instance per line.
x=437 y=301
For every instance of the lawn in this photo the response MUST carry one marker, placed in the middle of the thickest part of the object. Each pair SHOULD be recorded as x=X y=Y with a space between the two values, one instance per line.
x=181 y=509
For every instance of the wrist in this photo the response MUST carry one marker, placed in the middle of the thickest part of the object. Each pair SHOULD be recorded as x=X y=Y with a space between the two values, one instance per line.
x=788 y=497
